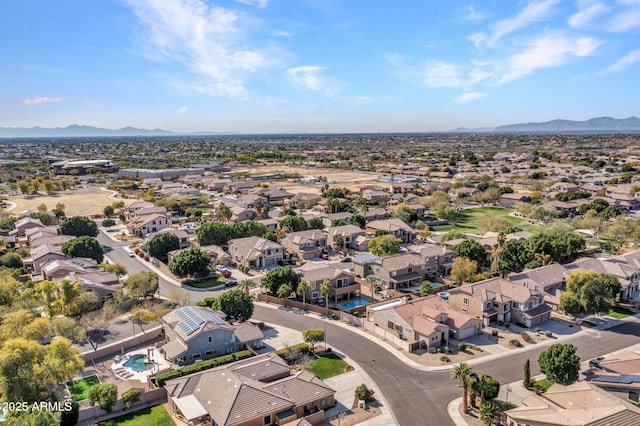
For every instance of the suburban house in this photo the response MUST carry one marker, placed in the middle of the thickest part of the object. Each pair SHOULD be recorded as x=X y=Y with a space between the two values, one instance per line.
x=428 y=321
x=549 y=279
x=36 y=238
x=85 y=271
x=23 y=224
x=255 y=252
x=195 y=333
x=40 y=256
x=374 y=214
x=336 y=218
x=581 y=403
x=399 y=271
x=438 y=259
x=395 y=227
x=147 y=224
x=510 y=200
x=303 y=199
x=305 y=244
x=343 y=282
x=559 y=187
x=242 y=214
x=500 y=300
x=132 y=209
x=253 y=392
x=38 y=232
x=249 y=201
x=218 y=255
x=350 y=236
x=183 y=236
x=276 y=197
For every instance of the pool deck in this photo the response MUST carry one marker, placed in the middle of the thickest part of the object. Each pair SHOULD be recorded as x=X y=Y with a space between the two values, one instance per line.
x=126 y=373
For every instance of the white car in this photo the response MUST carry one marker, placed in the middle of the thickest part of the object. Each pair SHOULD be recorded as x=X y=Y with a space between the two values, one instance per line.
x=131 y=254
x=221 y=268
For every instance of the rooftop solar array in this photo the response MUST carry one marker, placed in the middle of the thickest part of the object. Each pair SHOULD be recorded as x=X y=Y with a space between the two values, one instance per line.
x=623 y=379
x=192 y=318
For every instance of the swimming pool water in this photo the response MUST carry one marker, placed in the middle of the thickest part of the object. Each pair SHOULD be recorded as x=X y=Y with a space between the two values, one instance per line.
x=137 y=363
x=354 y=303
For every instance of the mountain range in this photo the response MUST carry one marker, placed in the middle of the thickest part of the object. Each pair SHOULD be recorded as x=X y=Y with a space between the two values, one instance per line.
x=594 y=125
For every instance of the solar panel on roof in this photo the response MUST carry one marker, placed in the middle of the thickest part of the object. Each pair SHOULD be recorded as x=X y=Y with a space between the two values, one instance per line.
x=192 y=318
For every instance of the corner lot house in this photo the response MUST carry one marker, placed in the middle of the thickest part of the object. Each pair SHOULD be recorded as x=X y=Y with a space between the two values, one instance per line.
x=255 y=252
x=195 y=333
x=253 y=392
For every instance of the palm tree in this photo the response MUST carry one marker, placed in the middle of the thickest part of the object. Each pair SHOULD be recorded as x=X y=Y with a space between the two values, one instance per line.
x=462 y=373
x=485 y=385
x=303 y=288
x=542 y=259
x=284 y=291
x=326 y=290
x=489 y=412
x=474 y=389
x=246 y=284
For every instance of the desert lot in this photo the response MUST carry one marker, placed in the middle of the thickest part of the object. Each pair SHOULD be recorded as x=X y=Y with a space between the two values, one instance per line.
x=83 y=201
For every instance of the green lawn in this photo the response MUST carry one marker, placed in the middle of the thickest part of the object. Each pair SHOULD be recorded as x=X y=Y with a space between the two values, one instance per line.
x=544 y=384
x=79 y=389
x=156 y=416
x=619 y=312
x=327 y=365
x=468 y=221
x=209 y=282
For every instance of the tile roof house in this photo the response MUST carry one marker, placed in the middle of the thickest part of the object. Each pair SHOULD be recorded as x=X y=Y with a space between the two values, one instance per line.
x=255 y=252
x=241 y=214
x=147 y=224
x=308 y=200
x=428 y=321
x=343 y=282
x=194 y=333
x=305 y=244
x=395 y=227
x=256 y=391
x=438 y=259
x=549 y=279
x=501 y=300
x=399 y=271
x=581 y=403
x=349 y=234
x=85 y=271
x=23 y=224
x=40 y=256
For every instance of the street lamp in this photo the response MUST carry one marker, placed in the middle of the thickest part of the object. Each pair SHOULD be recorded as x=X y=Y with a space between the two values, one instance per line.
x=508 y=389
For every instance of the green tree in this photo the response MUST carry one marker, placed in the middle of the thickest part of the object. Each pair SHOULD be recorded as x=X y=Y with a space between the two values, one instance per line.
x=117 y=268
x=62 y=360
x=462 y=373
x=425 y=288
x=69 y=292
x=281 y=275
x=463 y=270
x=326 y=290
x=47 y=292
x=84 y=246
x=489 y=412
x=294 y=223
x=284 y=291
x=487 y=386
x=526 y=380
x=78 y=226
x=363 y=393
x=594 y=291
x=570 y=304
x=358 y=220
x=191 y=262
x=513 y=255
x=105 y=394
x=108 y=211
x=315 y=223
x=33 y=417
x=302 y=290
x=11 y=260
x=21 y=370
x=236 y=304
x=14 y=323
x=142 y=284
x=68 y=328
x=142 y=317
x=161 y=244
x=223 y=213
x=338 y=242
x=108 y=223
x=311 y=336
x=472 y=250
x=384 y=245
x=560 y=363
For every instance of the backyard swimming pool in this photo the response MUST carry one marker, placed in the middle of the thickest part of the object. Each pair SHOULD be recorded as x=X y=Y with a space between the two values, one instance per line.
x=137 y=363
x=354 y=303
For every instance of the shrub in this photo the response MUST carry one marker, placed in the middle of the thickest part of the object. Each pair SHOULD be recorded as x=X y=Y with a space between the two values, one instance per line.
x=462 y=346
x=161 y=378
x=105 y=394
x=548 y=333
x=494 y=332
x=302 y=348
x=525 y=336
x=363 y=393
x=432 y=350
x=131 y=396
x=507 y=405
x=538 y=388
x=444 y=358
x=515 y=342
x=538 y=330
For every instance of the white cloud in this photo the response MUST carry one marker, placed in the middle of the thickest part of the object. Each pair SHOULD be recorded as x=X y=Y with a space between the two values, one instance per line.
x=442 y=74
x=478 y=38
x=205 y=39
x=587 y=13
x=627 y=19
x=474 y=16
x=182 y=110
x=624 y=63
x=310 y=78
x=42 y=100
x=260 y=3
x=548 y=51
x=469 y=96
x=535 y=11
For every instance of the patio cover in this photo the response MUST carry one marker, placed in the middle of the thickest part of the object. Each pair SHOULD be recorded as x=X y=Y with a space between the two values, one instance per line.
x=190 y=407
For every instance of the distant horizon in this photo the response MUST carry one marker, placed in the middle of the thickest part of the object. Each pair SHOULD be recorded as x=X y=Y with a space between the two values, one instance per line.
x=296 y=67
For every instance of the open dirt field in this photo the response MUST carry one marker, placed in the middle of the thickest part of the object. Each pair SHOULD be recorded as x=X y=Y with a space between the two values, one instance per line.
x=83 y=201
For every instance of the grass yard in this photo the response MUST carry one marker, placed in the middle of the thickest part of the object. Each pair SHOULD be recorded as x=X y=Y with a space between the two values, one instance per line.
x=79 y=389
x=619 y=312
x=327 y=365
x=156 y=416
x=544 y=384
x=208 y=283
x=470 y=220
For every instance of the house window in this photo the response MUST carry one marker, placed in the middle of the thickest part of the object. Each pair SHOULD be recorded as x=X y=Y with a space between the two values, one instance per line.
x=525 y=284
x=536 y=287
x=208 y=353
x=196 y=356
x=393 y=273
x=409 y=269
x=267 y=420
x=269 y=252
x=514 y=305
x=488 y=305
x=634 y=396
x=464 y=310
x=530 y=305
x=209 y=339
x=315 y=294
x=465 y=301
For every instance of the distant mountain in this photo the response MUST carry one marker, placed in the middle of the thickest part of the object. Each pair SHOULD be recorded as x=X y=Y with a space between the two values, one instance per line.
x=599 y=124
x=77 y=131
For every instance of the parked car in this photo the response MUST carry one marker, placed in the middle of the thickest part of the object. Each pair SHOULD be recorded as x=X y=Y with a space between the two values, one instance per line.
x=131 y=254
x=324 y=256
x=346 y=260
x=220 y=267
x=230 y=283
x=225 y=273
x=321 y=301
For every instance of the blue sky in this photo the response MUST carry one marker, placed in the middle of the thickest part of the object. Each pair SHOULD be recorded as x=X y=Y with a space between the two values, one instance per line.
x=316 y=65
